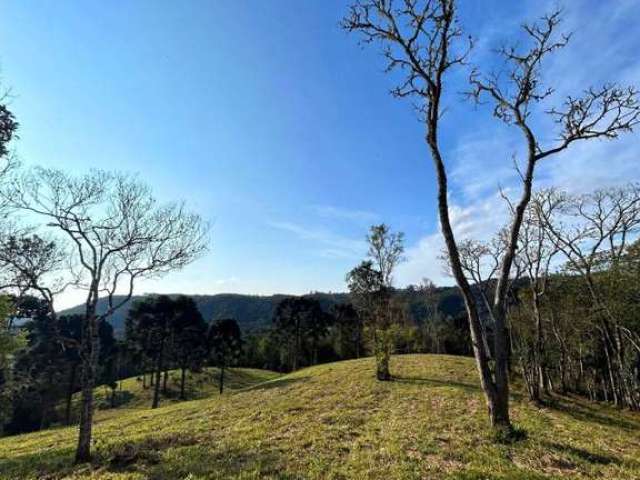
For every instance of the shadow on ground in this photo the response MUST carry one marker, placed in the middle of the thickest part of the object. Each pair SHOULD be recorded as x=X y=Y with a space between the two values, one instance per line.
x=432 y=382
x=164 y=457
x=586 y=413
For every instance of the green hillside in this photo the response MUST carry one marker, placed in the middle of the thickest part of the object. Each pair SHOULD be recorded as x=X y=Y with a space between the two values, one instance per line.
x=250 y=311
x=335 y=421
x=254 y=311
x=131 y=394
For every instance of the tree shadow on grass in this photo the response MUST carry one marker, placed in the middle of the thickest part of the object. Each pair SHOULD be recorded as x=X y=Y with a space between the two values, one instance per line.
x=180 y=456
x=123 y=397
x=432 y=382
x=41 y=465
x=586 y=414
x=174 y=456
x=582 y=454
x=203 y=461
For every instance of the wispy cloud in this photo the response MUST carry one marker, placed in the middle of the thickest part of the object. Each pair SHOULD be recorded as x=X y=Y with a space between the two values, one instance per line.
x=326 y=243
x=332 y=212
x=479 y=220
x=227 y=281
x=483 y=163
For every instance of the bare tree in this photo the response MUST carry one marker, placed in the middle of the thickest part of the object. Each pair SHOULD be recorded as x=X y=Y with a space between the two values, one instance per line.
x=119 y=235
x=422 y=41
x=535 y=253
x=480 y=262
x=592 y=231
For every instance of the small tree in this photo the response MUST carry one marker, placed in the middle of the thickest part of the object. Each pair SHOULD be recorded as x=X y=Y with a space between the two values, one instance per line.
x=225 y=343
x=371 y=287
x=369 y=297
x=119 y=235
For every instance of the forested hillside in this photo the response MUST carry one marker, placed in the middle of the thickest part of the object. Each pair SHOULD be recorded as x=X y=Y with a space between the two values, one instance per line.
x=255 y=312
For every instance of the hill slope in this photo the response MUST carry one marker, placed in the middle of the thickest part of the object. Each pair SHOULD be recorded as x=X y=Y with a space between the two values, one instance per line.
x=336 y=421
x=254 y=311
x=251 y=311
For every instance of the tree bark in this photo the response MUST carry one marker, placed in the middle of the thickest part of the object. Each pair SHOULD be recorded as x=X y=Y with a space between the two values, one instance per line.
x=89 y=350
x=497 y=398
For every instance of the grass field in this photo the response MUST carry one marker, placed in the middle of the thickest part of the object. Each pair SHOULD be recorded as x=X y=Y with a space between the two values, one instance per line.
x=335 y=421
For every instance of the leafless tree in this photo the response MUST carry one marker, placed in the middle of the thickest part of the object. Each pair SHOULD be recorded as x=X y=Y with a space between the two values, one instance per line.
x=534 y=257
x=422 y=41
x=479 y=261
x=592 y=231
x=119 y=235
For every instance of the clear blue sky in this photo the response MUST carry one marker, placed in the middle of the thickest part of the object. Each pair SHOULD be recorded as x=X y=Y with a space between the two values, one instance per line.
x=275 y=125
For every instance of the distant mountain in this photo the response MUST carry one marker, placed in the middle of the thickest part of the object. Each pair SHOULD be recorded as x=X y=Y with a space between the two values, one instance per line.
x=251 y=311
x=254 y=312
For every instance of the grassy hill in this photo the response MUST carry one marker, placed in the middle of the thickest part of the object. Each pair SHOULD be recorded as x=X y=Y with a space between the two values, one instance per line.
x=335 y=421
x=131 y=394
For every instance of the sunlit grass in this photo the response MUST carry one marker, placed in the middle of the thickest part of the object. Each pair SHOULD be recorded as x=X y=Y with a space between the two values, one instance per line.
x=336 y=421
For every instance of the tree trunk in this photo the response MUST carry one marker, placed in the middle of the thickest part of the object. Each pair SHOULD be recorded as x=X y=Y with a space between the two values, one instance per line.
x=539 y=348
x=89 y=355
x=158 y=372
x=382 y=354
x=70 y=391
x=182 y=379
x=164 y=382
x=497 y=397
x=221 y=378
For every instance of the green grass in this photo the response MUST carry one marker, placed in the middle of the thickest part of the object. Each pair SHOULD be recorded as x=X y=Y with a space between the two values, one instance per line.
x=336 y=422
x=131 y=393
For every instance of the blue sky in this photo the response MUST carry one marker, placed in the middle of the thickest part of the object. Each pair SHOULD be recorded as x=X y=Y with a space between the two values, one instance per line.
x=276 y=126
